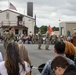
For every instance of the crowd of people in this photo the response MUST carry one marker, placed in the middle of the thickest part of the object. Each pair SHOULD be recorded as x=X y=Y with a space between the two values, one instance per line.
x=17 y=61
x=60 y=50
x=33 y=39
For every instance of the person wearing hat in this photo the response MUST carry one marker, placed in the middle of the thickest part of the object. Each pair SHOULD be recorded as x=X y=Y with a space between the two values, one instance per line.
x=8 y=36
x=5 y=33
x=11 y=34
x=39 y=39
x=47 y=38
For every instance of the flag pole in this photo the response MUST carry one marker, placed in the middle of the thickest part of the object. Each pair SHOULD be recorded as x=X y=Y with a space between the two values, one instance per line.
x=8 y=12
x=35 y=26
x=8 y=4
x=24 y=17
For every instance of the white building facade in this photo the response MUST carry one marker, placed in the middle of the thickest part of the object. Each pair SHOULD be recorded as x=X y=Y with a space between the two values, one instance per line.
x=22 y=23
x=67 y=28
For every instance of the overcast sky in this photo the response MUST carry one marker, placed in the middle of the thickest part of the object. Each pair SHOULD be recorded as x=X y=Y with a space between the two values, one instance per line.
x=46 y=11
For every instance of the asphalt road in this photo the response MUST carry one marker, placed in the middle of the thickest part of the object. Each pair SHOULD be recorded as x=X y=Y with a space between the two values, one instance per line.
x=37 y=56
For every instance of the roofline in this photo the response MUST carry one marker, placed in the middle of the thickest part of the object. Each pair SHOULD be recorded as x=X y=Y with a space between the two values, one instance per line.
x=68 y=22
x=17 y=13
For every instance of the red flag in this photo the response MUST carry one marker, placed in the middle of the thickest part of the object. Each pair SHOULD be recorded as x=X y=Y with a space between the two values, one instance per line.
x=50 y=29
x=11 y=6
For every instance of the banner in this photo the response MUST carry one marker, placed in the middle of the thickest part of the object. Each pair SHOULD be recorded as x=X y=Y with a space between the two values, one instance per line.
x=50 y=29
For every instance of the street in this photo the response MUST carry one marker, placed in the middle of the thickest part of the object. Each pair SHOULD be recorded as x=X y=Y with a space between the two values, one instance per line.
x=37 y=56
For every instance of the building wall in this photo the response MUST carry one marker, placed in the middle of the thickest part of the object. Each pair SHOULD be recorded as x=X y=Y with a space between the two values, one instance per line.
x=30 y=23
x=68 y=26
x=9 y=16
x=62 y=24
x=3 y=17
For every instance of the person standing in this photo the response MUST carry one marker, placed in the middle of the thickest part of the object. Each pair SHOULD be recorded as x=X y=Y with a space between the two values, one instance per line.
x=5 y=33
x=39 y=39
x=13 y=63
x=11 y=34
x=47 y=38
x=9 y=37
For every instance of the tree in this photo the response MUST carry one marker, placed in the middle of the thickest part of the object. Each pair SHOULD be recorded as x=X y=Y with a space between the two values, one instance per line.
x=36 y=29
x=55 y=28
x=43 y=29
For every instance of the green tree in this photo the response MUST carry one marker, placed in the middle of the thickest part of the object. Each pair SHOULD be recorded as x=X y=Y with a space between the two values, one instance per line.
x=43 y=29
x=36 y=29
x=55 y=28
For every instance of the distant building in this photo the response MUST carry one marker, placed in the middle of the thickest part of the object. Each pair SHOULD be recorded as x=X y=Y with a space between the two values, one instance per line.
x=30 y=9
x=22 y=23
x=56 y=33
x=67 y=28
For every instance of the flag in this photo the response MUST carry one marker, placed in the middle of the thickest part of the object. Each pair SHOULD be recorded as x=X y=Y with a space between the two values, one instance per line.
x=11 y=6
x=50 y=29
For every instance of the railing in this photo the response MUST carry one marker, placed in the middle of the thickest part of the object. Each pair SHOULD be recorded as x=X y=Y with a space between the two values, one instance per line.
x=11 y=23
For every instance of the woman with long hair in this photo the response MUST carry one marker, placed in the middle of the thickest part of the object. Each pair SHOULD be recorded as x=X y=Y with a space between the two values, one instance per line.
x=13 y=64
x=24 y=53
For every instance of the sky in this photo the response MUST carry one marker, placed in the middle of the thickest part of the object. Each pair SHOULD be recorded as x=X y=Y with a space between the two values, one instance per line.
x=48 y=12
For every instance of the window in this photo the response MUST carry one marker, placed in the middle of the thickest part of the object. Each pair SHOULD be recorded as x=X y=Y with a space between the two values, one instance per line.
x=7 y=15
x=16 y=31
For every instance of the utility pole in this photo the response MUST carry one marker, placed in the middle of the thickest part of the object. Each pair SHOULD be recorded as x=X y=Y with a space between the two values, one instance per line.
x=35 y=26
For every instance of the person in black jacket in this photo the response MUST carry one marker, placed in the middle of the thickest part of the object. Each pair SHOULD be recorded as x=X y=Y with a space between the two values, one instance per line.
x=70 y=70
x=60 y=66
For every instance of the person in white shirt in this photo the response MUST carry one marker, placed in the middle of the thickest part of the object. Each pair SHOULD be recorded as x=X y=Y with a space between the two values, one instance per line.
x=13 y=64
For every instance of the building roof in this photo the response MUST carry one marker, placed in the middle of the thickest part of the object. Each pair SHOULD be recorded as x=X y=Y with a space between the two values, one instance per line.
x=68 y=22
x=16 y=13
